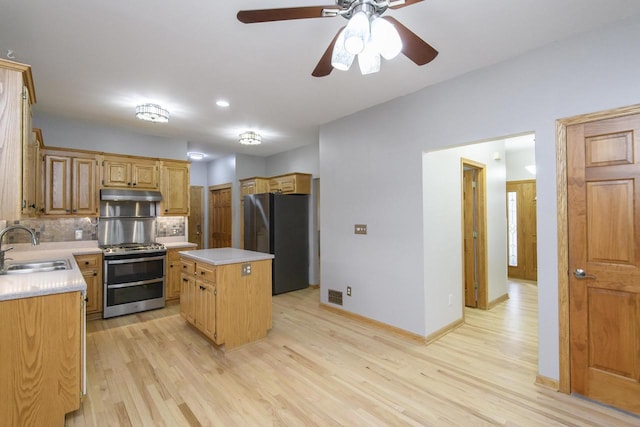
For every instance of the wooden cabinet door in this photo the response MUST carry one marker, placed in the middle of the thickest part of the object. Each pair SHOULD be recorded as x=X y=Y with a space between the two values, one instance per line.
x=175 y=188
x=91 y=268
x=208 y=306
x=57 y=191
x=84 y=191
x=205 y=315
x=144 y=175
x=94 y=291
x=187 y=297
x=173 y=280
x=116 y=173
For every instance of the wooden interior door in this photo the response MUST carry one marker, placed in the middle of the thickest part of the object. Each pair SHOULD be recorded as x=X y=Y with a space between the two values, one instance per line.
x=474 y=218
x=470 y=248
x=603 y=193
x=220 y=217
x=196 y=215
x=525 y=244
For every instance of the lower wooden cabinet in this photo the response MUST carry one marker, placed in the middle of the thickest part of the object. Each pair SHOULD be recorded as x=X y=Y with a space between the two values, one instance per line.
x=198 y=297
x=91 y=268
x=41 y=374
x=173 y=280
x=229 y=303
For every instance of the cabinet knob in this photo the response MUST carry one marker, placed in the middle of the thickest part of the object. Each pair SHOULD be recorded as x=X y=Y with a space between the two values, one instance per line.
x=95 y=273
x=128 y=183
x=86 y=263
x=202 y=273
x=134 y=184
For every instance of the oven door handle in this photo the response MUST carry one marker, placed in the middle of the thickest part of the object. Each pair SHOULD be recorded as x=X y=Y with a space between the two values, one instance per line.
x=130 y=284
x=132 y=260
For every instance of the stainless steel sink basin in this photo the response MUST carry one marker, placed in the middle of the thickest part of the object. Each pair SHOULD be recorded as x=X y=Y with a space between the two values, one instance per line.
x=37 y=266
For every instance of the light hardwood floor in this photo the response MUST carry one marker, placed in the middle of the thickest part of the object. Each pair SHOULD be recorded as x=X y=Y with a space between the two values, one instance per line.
x=319 y=368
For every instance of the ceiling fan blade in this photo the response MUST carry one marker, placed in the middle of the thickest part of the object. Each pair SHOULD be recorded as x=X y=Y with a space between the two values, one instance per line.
x=406 y=3
x=283 y=14
x=413 y=47
x=324 y=66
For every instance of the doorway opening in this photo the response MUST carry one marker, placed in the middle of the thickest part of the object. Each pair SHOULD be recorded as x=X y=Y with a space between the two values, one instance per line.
x=474 y=234
x=196 y=216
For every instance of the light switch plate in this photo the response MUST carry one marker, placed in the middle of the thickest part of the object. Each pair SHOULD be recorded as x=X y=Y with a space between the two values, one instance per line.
x=360 y=229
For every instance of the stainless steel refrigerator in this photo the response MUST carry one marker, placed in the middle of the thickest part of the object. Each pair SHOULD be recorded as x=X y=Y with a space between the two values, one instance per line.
x=279 y=224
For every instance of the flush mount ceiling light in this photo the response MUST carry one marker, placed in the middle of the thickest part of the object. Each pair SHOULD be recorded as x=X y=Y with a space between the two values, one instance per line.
x=194 y=155
x=250 y=138
x=222 y=103
x=152 y=113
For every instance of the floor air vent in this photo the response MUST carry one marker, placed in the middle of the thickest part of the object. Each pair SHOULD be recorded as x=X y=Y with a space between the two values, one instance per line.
x=335 y=297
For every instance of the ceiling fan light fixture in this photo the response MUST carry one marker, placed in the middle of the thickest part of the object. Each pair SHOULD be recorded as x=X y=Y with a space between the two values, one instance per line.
x=369 y=59
x=152 y=113
x=385 y=36
x=357 y=33
x=250 y=138
x=341 y=59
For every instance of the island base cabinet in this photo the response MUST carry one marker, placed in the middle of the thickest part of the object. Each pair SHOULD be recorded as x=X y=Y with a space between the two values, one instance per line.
x=244 y=303
x=229 y=306
x=41 y=354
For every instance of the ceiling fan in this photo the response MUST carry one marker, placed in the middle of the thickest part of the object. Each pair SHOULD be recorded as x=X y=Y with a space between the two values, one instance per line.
x=367 y=35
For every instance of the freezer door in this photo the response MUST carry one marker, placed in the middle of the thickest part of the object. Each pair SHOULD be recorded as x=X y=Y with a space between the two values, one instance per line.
x=256 y=222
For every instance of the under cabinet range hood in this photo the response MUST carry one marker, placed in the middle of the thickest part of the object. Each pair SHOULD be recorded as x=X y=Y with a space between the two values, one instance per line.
x=119 y=195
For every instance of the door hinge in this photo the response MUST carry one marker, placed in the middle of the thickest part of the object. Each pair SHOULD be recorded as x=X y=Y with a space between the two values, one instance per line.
x=474 y=184
x=475 y=285
x=215 y=292
x=475 y=234
x=24 y=93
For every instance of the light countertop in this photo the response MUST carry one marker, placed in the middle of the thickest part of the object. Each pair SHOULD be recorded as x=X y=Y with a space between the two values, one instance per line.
x=222 y=256
x=14 y=286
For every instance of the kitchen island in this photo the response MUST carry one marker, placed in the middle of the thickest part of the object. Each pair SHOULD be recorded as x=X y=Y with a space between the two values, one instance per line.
x=226 y=294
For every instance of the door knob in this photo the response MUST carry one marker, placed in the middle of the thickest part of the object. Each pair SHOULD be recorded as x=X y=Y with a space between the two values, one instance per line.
x=581 y=274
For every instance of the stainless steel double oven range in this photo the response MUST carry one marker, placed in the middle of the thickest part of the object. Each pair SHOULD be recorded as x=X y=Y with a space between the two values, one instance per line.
x=134 y=263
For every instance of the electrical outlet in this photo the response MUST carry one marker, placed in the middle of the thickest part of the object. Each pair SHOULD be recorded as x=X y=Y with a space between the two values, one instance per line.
x=78 y=234
x=348 y=291
x=360 y=229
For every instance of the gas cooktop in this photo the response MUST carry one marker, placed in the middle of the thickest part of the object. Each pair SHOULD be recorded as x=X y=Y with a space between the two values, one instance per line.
x=124 y=248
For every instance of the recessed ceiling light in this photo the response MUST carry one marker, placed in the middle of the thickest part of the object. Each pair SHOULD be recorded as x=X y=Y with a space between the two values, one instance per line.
x=222 y=103
x=194 y=155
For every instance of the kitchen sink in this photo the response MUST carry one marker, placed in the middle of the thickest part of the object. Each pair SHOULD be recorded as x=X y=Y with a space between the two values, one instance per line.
x=37 y=266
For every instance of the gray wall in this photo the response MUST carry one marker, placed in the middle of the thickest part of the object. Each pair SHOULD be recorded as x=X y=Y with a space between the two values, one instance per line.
x=365 y=179
x=78 y=134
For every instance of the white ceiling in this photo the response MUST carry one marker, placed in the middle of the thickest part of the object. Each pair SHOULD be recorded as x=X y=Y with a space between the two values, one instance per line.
x=95 y=60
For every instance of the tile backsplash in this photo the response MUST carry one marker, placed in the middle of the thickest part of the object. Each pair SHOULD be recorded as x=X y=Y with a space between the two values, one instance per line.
x=64 y=229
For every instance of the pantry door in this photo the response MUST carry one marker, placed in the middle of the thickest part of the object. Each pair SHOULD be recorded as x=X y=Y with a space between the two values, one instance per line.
x=603 y=198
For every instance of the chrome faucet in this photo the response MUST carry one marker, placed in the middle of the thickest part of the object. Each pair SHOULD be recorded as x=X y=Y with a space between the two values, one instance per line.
x=34 y=241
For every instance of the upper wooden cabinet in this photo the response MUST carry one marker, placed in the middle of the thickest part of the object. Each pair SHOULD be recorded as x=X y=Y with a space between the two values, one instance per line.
x=255 y=185
x=16 y=96
x=174 y=186
x=129 y=172
x=293 y=183
x=70 y=183
x=31 y=190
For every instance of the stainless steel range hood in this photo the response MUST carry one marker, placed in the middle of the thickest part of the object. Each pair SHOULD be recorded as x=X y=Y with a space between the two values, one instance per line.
x=118 y=195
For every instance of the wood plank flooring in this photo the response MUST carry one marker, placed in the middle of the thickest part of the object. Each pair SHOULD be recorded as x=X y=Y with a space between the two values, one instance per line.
x=319 y=368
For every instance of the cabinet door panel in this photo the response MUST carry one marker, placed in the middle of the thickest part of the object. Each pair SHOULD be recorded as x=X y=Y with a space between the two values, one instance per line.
x=84 y=186
x=57 y=185
x=116 y=173
x=144 y=175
